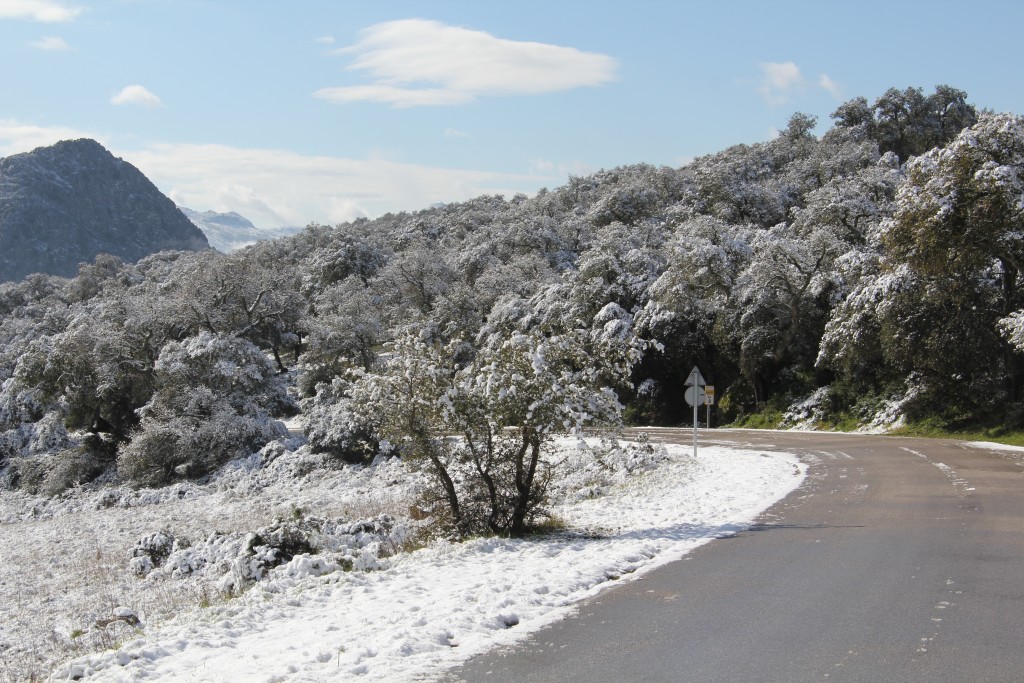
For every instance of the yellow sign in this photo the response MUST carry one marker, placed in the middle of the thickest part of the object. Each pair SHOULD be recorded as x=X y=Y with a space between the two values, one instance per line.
x=709 y=395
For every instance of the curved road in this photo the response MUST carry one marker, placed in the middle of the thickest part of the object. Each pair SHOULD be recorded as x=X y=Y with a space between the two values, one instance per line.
x=896 y=560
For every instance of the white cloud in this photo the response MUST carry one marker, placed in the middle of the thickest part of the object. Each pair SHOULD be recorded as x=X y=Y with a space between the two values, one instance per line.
x=46 y=11
x=276 y=187
x=452 y=133
x=16 y=137
x=778 y=81
x=137 y=94
x=416 y=62
x=561 y=170
x=397 y=97
x=324 y=40
x=52 y=43
x=833 y=88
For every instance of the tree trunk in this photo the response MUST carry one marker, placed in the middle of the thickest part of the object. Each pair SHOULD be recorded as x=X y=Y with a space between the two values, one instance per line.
x=427 y=446
x=525 y=474
x=484 y=470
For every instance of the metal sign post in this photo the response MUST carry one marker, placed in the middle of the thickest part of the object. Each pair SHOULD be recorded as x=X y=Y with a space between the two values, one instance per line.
x=695 y=396
x=709 y=400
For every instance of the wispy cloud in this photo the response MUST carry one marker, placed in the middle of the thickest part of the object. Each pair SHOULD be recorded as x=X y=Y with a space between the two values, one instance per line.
x=324 y=40
x=453 y=133
x=416 y=62
x=778 y=81
x=396 y=97
x=830 y=86
x=51 y=43
x=46 y=11
x=137 y=95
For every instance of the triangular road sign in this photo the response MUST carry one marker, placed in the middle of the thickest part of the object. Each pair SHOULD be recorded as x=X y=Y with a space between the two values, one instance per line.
x=695 y=379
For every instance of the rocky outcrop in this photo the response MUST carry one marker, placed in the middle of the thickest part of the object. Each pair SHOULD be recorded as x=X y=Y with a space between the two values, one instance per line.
x=62 y=205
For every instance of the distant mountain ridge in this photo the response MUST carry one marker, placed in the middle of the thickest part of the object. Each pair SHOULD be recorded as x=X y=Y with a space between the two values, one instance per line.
x=62 y=205
x=230 y=231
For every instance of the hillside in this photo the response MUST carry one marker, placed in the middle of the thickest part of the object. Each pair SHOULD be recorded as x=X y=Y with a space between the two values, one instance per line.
x=64 y=204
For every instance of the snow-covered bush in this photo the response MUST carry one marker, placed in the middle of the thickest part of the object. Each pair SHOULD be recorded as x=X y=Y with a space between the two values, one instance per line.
x=27 y=431
x=150 y=552
x=506 y=399
x=213 y=402
x=808 y=411
x=306 y=546
x=592 y=466
x=332 y=426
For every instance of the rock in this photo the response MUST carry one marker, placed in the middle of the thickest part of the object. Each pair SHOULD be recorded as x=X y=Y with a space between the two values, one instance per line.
x=63 y=205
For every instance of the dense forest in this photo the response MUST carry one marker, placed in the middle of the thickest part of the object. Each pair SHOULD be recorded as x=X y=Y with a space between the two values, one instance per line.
x=866 y=275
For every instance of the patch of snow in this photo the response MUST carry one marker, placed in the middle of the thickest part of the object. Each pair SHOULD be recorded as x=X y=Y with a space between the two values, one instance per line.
x=992 y=446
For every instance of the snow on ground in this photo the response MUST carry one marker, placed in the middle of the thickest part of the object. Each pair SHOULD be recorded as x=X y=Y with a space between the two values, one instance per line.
x=993 y=446
x=409 y=617
x=1013 y=453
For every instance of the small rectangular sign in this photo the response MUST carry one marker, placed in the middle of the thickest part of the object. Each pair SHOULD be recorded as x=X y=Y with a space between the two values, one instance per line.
x=709 y=395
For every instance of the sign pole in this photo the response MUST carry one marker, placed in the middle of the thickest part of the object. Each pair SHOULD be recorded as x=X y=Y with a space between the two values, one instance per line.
x=695 y=428
x=709 y=400
x=695 y=396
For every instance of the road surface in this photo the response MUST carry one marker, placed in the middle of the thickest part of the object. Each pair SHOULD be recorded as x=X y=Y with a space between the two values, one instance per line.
x=897 y=560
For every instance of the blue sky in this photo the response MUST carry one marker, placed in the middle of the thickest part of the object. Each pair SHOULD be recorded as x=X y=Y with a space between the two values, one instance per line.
x=324 y=111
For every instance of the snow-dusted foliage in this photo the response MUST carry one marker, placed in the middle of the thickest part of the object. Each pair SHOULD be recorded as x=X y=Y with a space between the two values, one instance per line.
x=1012 y=327
x=908 y=122
x=807 y=412
x=963 y=205
x=214 y=395
x=232 y=562
x=946 y=273
x=505 y=398
x=333 y=426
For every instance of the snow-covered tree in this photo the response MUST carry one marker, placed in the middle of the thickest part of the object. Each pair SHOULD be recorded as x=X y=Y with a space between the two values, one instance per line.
x=503 y=400
x=948 y=271
x=907 y=122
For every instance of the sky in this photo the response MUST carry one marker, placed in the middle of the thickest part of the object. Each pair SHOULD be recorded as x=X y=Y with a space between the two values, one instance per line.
x=328 y=110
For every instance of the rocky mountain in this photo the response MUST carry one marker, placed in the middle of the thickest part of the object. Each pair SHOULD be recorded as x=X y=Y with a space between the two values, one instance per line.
x=62 y=205
x=230 y=231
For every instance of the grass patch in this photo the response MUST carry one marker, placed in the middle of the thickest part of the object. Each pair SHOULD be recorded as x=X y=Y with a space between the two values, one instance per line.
x=547 y=525
x=842 y=422
x=767 y=418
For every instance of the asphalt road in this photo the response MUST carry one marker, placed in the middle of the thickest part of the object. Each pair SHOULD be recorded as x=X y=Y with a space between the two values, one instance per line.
x=897 y=560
